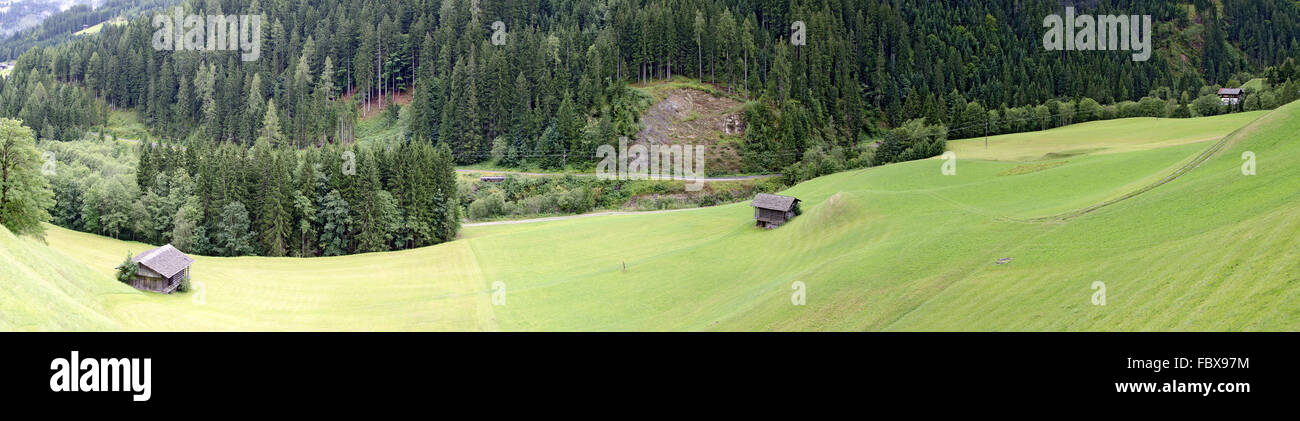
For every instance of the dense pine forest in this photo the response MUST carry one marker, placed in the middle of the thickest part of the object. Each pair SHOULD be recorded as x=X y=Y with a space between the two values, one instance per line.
x=902 y=76
x=871 y=64
x=865 y=65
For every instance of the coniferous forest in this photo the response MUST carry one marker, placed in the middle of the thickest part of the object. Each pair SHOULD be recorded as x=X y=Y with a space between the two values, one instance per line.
x=249 y=156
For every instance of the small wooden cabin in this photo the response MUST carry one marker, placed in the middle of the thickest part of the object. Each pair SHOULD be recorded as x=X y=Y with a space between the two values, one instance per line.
x=492 y=178
x=1230 y=96
x=772 y=210
x=161 y=269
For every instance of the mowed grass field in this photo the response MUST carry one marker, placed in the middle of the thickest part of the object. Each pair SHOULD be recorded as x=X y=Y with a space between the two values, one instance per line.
x=1109 y=136
x=406 y=290
x=897 y=247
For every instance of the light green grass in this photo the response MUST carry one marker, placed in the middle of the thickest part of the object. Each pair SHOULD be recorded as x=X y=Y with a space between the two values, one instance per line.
x=378 y=128
x=1110 y=136
x=658 y=90
x=96 y=28
x=126 y=125
x=43 y=289
x=1257 y=84
x=434 y=288
x=898 y=247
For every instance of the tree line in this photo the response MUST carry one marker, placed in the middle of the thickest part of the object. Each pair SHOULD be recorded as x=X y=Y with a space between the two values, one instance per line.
x=51 y=109
x=972 y=119
x=229 y=200
x=556 y=86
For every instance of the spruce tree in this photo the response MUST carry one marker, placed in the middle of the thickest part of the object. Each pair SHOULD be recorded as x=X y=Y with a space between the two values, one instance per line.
x=256 y=108
x=569 y=127
x=271 y=125
x=233 y=236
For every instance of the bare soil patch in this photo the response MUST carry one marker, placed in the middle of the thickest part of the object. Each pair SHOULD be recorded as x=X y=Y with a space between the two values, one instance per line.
x=693 y=117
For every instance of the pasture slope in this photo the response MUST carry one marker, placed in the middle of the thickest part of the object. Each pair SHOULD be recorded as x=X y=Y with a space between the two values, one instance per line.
x=897 y=247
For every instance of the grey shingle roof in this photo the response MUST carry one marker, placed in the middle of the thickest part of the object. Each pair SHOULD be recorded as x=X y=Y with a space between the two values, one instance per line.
x=773 y=202
x=166 y=260
x=1230 y=91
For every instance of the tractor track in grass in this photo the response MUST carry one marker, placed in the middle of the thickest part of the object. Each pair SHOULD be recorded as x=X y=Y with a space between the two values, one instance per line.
x=1195 y=162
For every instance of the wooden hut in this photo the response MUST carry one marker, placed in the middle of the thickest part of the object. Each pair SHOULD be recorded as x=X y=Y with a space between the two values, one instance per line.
x=492 y=178
x=772 y=210
x=161 y=269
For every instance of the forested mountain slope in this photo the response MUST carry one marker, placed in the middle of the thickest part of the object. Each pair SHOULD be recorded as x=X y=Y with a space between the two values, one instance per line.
x=19 y=15
x=66 y=19
x=865 y=65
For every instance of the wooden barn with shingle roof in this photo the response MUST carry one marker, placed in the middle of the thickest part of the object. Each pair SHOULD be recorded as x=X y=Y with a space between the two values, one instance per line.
x=772 y=210
x=161 y=269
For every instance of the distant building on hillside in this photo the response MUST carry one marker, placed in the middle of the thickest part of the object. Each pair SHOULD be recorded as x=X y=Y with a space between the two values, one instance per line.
x=492 y=178
x=161 y=269
x=772 y=210
x=1230 y=96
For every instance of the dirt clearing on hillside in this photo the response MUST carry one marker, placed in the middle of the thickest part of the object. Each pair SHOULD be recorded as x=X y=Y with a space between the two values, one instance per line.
x=402 y=98
x=693 y=117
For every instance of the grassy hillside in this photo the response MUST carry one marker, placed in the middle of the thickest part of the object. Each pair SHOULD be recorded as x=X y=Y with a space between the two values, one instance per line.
x=46 y=290
x=435 y=288
x=898 y=247
x=1109 y=136
x=94 y=29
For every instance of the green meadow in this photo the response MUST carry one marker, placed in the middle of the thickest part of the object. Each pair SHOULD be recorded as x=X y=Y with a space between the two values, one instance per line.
x=900 y=247
x=96 y=28
x=1257 y=84
x=1109 y=136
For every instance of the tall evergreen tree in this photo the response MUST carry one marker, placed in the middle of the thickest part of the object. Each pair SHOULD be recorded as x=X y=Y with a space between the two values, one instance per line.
x=233 y=236
x=271 y=131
